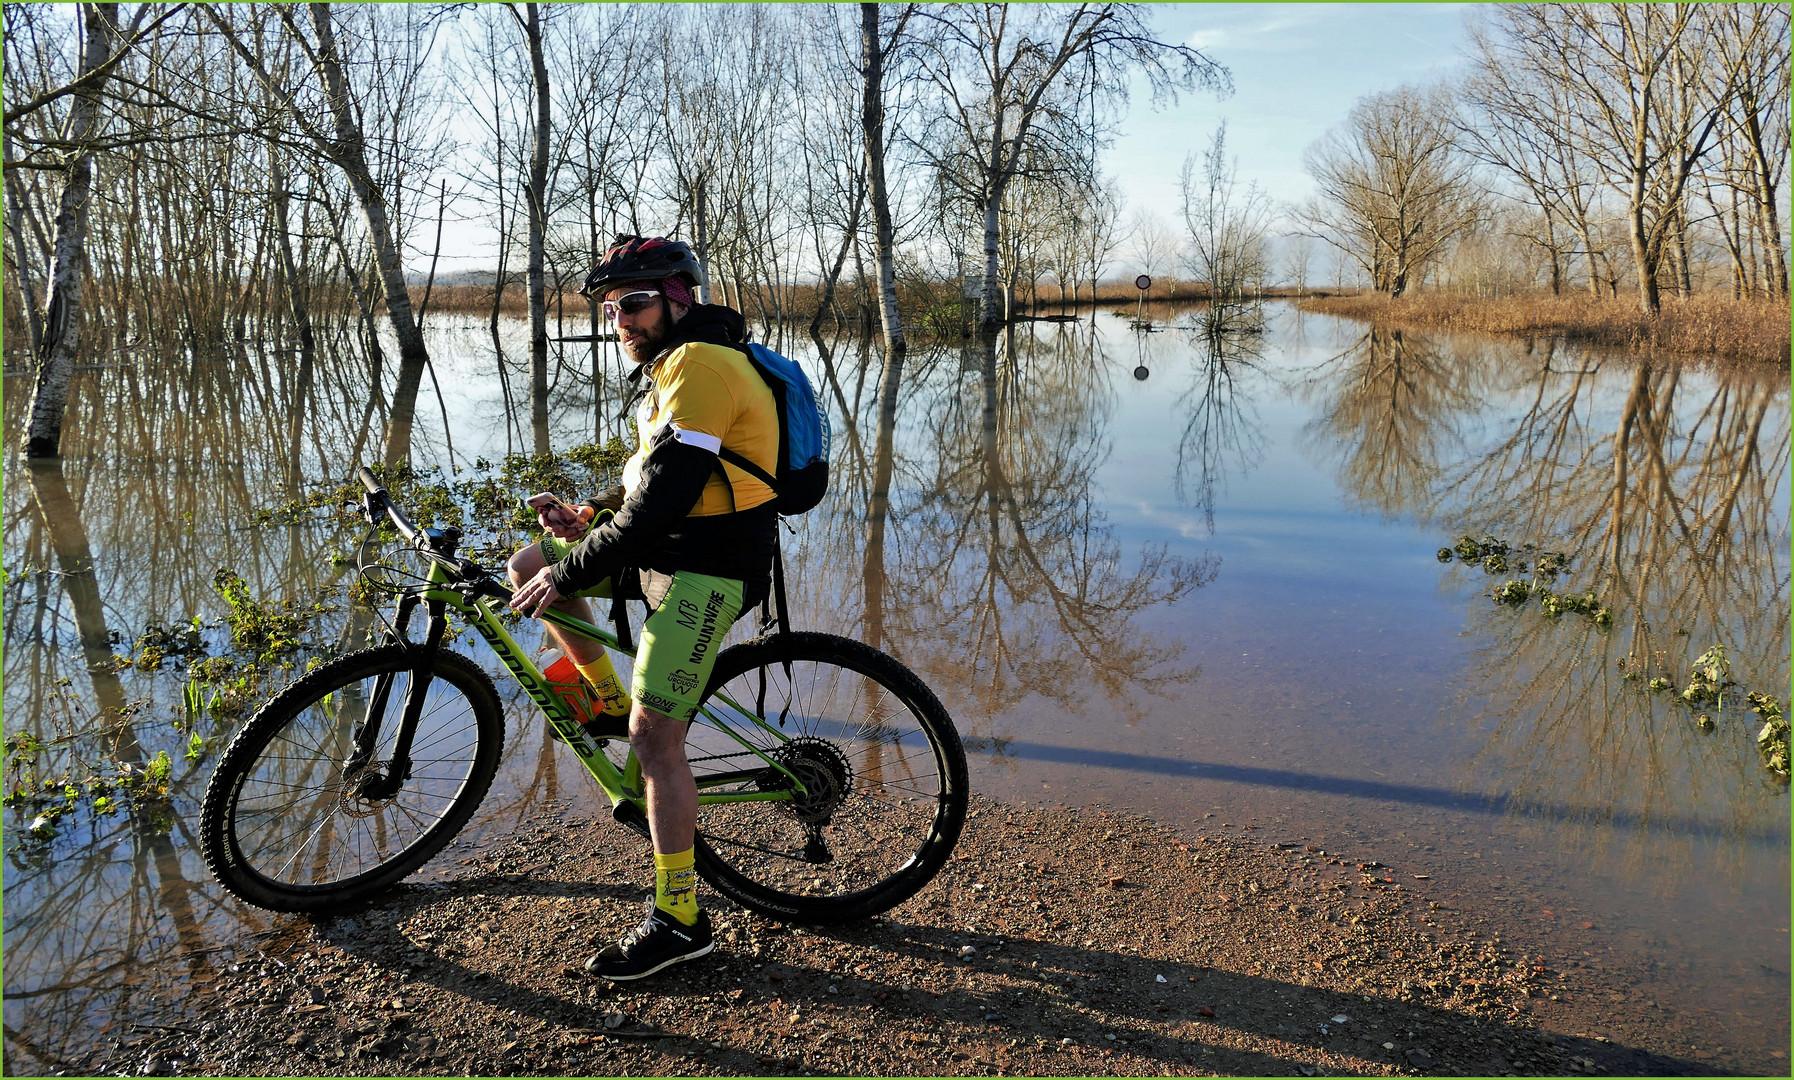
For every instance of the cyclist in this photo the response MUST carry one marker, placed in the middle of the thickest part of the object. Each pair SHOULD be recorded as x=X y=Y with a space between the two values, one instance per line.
x=698 y=532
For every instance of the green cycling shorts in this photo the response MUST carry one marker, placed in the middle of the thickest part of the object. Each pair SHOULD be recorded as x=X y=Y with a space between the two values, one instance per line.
x=681 y=638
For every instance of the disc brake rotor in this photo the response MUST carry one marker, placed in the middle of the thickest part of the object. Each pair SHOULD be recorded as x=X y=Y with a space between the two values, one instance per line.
x=350 y=798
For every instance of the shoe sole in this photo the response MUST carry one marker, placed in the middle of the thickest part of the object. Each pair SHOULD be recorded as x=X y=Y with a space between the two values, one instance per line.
x=662 y=966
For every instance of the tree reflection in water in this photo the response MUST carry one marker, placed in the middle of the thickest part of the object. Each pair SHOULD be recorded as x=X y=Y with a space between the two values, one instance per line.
x=167 y=461
x=1222 y=428
x=1391 y=406
x=1666 y=486
x=991 y=569
x=95 y=925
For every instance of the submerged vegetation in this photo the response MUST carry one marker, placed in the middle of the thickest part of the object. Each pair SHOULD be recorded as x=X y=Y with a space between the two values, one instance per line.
x=206 y=670
x=1497 y=557
x=1709 y=674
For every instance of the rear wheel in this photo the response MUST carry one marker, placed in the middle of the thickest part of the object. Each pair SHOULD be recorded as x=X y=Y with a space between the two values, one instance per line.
x=295 y=820
x=881 y=779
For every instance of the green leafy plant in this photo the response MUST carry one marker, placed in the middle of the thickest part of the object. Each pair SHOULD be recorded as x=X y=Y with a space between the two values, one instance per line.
x=1513 y=592
x=148 y=781
x=1709 y=678
x=1498 y=557
x=266 y=629
x=1772 y=738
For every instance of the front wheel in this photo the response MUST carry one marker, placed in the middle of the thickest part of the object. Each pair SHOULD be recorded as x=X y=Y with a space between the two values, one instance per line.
x=296 y=819
x=882 y=781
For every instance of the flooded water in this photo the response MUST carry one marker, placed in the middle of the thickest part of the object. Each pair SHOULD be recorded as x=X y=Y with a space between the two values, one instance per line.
x=1196 y=580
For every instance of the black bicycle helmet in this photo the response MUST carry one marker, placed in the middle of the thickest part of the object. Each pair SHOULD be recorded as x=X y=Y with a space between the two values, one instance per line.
x=641 y=258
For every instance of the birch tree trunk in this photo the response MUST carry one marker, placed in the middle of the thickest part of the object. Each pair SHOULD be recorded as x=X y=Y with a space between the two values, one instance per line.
x=62 y=316
x=538 y=234
x=872 y=120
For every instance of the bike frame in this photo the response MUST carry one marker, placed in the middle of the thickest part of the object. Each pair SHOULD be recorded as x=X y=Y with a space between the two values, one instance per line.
x=623 y=785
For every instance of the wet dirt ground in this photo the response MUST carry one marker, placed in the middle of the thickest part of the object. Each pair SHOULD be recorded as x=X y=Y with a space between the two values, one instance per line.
x=1056 y=942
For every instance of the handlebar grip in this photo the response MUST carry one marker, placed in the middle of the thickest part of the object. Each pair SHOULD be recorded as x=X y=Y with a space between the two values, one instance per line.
x=366 y=476
x=494 y=589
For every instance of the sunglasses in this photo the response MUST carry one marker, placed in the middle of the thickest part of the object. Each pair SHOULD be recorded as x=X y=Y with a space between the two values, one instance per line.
x=629 y=303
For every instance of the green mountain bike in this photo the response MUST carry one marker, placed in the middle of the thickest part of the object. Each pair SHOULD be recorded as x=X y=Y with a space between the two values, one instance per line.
x=831 y=782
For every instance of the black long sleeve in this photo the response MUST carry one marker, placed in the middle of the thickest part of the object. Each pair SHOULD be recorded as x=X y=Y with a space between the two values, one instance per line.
x=673 y=478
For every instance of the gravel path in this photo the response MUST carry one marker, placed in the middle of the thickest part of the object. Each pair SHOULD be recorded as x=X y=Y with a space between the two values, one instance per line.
x=1057 y=942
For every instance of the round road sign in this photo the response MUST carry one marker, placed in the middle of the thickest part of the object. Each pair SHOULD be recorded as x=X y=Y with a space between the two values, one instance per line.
x=1143 y=283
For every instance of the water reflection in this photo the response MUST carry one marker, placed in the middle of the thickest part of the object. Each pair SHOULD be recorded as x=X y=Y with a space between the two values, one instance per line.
x=1222 y=431
x=971 y=529
x=141 y=920
x=1389 y=406
x=994 y=571
x=1671 y=501
x=1665 y=485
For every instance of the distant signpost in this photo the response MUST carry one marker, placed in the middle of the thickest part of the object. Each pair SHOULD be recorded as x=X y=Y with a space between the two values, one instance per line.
x=1142 y=283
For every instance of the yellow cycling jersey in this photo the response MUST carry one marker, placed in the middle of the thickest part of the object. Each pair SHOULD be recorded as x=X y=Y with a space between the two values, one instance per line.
x=713 y=398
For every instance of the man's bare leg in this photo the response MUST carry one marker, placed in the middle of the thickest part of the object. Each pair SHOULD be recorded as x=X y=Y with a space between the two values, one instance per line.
x=659 y=744
x=526 y=564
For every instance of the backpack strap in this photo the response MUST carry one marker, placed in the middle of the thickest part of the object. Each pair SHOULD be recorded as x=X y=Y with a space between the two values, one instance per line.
x=746 y=466
x=778 y=591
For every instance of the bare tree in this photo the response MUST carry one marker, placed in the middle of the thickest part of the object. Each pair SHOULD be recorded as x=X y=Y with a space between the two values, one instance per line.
x=1394 y=191
x=1151 y=241
x=537 y=201
x=103 y=43
x=345 y=145
x=1643 y=99
x=1011 y=80
x=1101 y=231
x=1226 y=223
x=1298 y=253
x=1752 y=43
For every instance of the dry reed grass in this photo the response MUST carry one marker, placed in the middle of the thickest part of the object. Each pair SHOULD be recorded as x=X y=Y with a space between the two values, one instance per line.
x=477 y=299
x=1709 y=326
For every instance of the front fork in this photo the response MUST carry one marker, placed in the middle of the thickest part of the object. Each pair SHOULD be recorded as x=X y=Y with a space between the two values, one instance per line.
x=384 y=785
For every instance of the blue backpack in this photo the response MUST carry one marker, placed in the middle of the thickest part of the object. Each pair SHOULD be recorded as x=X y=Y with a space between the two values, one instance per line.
x=803 y=434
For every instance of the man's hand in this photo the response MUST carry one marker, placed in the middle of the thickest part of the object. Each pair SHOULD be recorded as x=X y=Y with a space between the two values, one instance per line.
x=566 y=522
x=533 y=596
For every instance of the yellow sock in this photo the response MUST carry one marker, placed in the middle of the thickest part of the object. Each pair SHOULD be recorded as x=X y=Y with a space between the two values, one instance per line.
x=606 y=685
x=676 y=885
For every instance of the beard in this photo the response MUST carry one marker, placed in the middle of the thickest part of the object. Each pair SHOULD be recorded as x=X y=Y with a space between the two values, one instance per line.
x=641 y=343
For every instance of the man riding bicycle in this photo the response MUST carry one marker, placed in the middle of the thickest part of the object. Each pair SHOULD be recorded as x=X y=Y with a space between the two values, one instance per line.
x=698 y=531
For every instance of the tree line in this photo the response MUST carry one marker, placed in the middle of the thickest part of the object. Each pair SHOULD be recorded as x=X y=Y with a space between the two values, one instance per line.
x=1600 y=146
x=199 y=175
x=207 y=173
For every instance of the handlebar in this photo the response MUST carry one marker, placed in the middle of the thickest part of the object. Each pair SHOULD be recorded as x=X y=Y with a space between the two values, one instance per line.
x=476 y=577
x=377 y=500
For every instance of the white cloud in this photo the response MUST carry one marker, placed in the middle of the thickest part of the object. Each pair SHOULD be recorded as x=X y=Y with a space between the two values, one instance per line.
x=1282 y=29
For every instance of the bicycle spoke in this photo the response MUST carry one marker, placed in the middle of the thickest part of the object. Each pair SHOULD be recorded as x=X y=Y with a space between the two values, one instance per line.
x=870 y=787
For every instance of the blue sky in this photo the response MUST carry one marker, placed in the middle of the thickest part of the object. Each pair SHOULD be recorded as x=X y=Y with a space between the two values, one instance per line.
x=1297 y=70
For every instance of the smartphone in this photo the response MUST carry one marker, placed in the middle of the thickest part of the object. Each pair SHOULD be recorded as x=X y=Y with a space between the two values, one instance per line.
x=544 y=500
